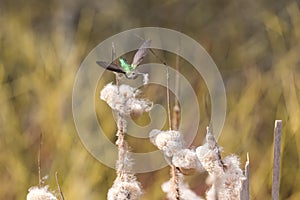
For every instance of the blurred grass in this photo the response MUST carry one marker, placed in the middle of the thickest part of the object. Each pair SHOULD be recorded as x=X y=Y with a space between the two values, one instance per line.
x=42 y=43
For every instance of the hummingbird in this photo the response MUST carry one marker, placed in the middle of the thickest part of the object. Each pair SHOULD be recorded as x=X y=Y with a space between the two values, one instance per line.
x=129 y=70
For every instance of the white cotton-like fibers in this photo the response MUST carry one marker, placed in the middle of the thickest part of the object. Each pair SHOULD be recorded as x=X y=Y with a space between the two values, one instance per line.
x=202 y=150
x=211 y=194
x=124 y=99
x=210 y=160
x=36 y=193
x=225 y=175
x=232 y=179
x=125 y=188
x=229 y=183
x=172 y=144
x=185 y=192
x=187 y=159
x=169 y=142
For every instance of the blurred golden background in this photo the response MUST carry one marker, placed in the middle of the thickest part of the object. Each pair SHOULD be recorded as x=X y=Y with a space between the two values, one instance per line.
x=256 y=46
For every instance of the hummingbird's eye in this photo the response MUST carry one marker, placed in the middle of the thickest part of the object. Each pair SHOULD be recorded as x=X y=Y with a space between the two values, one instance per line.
x=133 y=75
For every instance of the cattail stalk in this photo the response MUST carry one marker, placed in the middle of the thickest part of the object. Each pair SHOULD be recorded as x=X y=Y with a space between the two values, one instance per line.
x=245 y=192
x=276 y=162
x=122 y=99
x=59 y=188
x=175 y=125
x=39 y=162
x=175 y=182
x=122 y=145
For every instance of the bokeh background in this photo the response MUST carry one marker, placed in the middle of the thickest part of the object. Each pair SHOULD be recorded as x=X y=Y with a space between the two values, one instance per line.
x=255 y=44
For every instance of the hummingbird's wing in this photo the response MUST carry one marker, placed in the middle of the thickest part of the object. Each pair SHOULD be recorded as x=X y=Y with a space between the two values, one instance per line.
x=141 y=53
x=112 y=67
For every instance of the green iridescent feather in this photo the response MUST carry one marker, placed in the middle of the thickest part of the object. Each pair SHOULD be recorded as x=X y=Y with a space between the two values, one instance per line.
x=125 y=66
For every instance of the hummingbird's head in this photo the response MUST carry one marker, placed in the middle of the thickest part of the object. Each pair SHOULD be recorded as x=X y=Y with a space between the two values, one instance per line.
x=132 y=75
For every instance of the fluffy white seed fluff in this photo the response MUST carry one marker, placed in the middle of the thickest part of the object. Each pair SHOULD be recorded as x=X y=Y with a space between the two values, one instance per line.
x=124 y=99
x=210 y=160
x=185 y=192
x=169 y=142
x=126 y=189
x=186 y=158
x=228 y=185
x=211 y=194
x=225 y=175
x=231 y=182
x=36 y=193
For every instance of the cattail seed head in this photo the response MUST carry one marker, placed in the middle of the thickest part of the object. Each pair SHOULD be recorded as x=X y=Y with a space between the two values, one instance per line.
x=36 y=193
x=127 y=188
x=124 y=99
x=169 y=142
